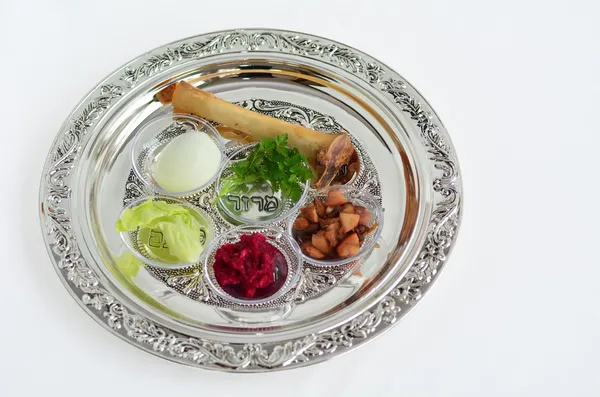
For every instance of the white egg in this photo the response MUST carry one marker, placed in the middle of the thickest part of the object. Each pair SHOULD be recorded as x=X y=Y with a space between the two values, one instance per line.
x=187 y=162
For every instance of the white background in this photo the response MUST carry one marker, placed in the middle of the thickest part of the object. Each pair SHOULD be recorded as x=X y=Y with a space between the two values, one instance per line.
x=515 y=312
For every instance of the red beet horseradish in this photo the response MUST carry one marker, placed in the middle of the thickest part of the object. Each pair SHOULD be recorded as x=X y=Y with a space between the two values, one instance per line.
x=251 y=268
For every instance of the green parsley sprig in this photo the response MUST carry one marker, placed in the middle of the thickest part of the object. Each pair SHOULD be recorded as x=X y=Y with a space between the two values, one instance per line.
x=273 y=161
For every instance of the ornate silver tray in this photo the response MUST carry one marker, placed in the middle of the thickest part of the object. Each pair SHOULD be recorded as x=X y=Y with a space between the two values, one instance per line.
x=407 y=161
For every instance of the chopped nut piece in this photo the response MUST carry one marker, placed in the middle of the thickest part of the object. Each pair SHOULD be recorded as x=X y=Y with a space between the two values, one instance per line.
x=331 y=233
x=320 y=206
x=301 y=223
x=350 y=239
x=349 y=246
x=335 y=197
x=349 y=221
x=310 y=213
x=320 y=242
x=311 y=251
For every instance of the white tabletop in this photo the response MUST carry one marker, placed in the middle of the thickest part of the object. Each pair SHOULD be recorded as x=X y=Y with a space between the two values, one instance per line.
x=515 y=312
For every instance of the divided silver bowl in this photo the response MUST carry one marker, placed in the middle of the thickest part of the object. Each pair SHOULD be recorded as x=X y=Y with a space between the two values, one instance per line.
x=407 y=162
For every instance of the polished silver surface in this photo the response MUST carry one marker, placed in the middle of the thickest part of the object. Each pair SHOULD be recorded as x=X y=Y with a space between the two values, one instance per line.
x=413 y=169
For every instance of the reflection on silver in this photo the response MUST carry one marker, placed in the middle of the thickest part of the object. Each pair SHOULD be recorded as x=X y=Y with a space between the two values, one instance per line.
x=398 y=127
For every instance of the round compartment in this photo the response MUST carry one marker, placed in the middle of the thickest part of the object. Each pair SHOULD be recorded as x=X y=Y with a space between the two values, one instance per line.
x=149 y=245
x=356 y=197
x=287 y=266
x=151 y=147
x=255 y=203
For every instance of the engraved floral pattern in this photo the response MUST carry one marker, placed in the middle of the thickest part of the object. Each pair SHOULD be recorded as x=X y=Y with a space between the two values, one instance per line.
x=315 y=281
x=445 y=217
x=205 y=352
x=83 y=281
x=331 y=52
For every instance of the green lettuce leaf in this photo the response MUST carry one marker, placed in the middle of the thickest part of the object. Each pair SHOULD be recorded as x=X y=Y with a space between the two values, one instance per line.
x=128 y=264
x=180 y=230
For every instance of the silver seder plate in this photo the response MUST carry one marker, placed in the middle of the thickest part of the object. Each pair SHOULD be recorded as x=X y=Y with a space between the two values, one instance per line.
x=407 y=161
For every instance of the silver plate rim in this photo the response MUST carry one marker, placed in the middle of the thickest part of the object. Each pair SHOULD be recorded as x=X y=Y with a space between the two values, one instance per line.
x=378 y=318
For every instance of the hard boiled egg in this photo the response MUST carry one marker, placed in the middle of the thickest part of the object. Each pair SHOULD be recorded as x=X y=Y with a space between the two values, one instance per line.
x=187 y=162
